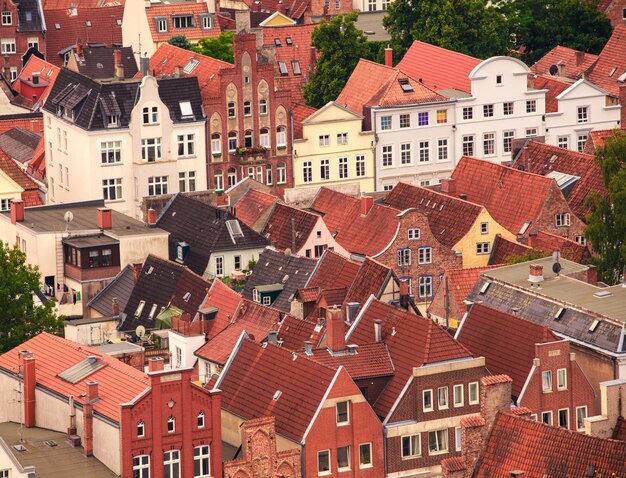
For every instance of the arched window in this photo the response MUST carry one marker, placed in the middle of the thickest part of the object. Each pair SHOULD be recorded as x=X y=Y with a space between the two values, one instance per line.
x=219 y=179
x=281 y=137
x=232 y=177
x=247 y=138
x=232 y=141
x=216 y=143
x=281 y=173
x=264 y=137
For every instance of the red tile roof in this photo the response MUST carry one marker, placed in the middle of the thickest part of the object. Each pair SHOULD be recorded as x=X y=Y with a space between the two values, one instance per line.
x=597 y=139
x=570 y=250
x=567 y=57
x=507 y=342
x=370 y=280
x=117 y=382
x=168 y=11
x=47 y=75
x=503 y=249
x=255 y=318
x=309 y=294
x=368 y=361
x=555 y=87
x=30 y=121
x=512 y=197
x=226 y=301
x=333 y=270
x=285 y=222
x=462 y=281
x=611 y=62
x=437 y=67
x=167 y=57
x=300 y=113
x=360 y=234
x=250 y=383
x=73 y=28
x=412 y=341
x=517 y=443
x=37 y=165
x=378 y=85
x=449 y=218
x=541 y=158
x=253 y=208
x=294 y=332
x=30 y=195
x=620 y=429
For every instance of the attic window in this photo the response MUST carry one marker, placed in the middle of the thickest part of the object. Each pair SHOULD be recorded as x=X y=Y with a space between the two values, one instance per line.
x=88 y=23
x=602 y=294
x=57 y=26
x=277 y=42
x=183 y=21
x=140 y=307
x=152 y=311
x=295 y=65
x=559 y=313
x=82 y=369
x=189 y=67
x=484 y=288
x=118 y=22
x=524 y=228
x=185 y=108
x=277 y=395
x=29 y=16
x=289 y=41
x=622 y=77
x=234 y=228
x=282 y=66
x=613 y=71
x=405 y=85
x=594 y=326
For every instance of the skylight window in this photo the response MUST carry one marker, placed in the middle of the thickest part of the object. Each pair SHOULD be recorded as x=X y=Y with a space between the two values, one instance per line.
x=189 y=67
x=559 y=313
x=405 y=85
x=234 y=228
x=140 y=307
x=524 y=228
x=288 y=41
x=277 y=42
x=82 y=369
x=484 y=288
x=613 y=71
x=57 y=26
x=185 y=108
x=282 y=66
x=277 y=395
x=88 y=23
x=152 y=311
x=594 y=325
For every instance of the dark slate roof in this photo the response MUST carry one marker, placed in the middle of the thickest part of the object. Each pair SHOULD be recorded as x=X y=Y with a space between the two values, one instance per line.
x=89 y=98
x=121 y=288
x=574 y=323
x=97 y=62
x=19 y=143
x=275 y=267
x=204 y=228
x=29 y=13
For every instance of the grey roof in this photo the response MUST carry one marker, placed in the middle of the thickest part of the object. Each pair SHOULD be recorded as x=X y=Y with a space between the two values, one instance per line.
x=50 y=218
x=29 y=13
x=57 y=461
x=89 y=99
x=373 y=22
x=120 y=288
x=205 y=229
x=274 y=267
x=119 y=348
x=97 y=62
x=19 y=143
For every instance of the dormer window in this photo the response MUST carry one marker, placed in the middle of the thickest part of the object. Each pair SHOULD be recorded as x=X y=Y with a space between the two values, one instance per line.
x=207 y=22
x=405 y=85
x=161 y=24
x=141 y=429
x=183 y=21
x=185 y=109
x=113 y=121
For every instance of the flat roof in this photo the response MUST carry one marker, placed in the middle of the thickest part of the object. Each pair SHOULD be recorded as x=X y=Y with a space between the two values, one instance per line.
x=57 y=461
x=118 y=348
x=90 y=241
x=611 y=303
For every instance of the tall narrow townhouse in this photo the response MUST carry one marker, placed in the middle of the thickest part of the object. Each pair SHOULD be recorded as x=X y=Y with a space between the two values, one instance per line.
x=123 y=140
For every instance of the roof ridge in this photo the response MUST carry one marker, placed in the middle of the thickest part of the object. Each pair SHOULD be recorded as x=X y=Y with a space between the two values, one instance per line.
x=508 y=170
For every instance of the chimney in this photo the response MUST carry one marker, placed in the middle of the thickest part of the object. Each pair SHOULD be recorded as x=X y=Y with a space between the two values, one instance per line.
x=404 y=294
x=308 y=347
x=152 y=217
x=448 y=186
x=520 y=473
x=119 y=72
x=17 y=211
x=272 y=337
x=592 y=275
x=579 y=56
x=256 y=6
x=561 y=68
x=178 y=71
x=115 y=307
x=378 y=330
x=88 y=429
x=144 y=64
x=472 y=439
x=92 y=390
x=463 y=197
x=536 y=274
x=156 y=364
x=495 y=396
x=366 y=204
x=242 y=21
x=280 y=7
x=79 y=49
x=532 y=238
x=117 y=57
x=335 y=329
x=388 y=57
x=30 y=381
x=105 y=218
x=622 y=103
x=136 y=271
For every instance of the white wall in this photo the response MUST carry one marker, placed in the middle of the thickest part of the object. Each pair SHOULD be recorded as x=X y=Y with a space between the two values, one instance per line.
x=187 y=345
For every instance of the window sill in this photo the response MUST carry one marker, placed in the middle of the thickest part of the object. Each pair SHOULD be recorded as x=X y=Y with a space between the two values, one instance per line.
x=112 y=164
x=114 y=201
x=343 y=470
x=412 y=457
x=443 y=408
x=150 y=124
x=428 y=410
x=442 y=452
x=363 y=467
x=459 y=405
x=324 y=473
x=193 y=156
x=546 y=391
x=474 y=403
x=343 y=424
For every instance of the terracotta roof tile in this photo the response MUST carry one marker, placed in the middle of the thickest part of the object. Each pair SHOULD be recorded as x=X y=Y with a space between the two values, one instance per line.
x=285 y=222
x=516 y=443
x=169 y=11
x=473 y=421
x=333 y=270
x=309 y=294
x=250 y=384
x=555 y=87
x=611 y=64
x=543 y=159
x=369 y=280
x=570 y=250
x=507 y=342
x=254 y=207
x=503 y=249
x=369 y=360
x=73 y=28
x=29 y=121
x=361 y=234
x=512 y=197
x=437 y=67
x=20 y=144
x=300 y=113
x=117 y=382
x=462 y=281
x=412 y=341
x=37 y=165
x=449 y=223
x=574 y=63
x=226 y=301
x=294 y=332
x=30 y=195
x=47 y=74
x=597 y=139
x=450 y=465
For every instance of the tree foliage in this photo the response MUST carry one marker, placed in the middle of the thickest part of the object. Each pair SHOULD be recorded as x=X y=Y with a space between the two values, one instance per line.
x=340 y=44
x=180 y=41
x=20 y=317
x=220 y=47
x=540 y=25
x=473 y=27
x=606 y=223
x=530 y=255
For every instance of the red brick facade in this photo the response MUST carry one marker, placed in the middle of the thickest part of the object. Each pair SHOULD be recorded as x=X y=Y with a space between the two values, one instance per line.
x=565 y=390
x=426 y=260
x=149 y=437
x=614 y=9
x=249 y=112
x=9 y=25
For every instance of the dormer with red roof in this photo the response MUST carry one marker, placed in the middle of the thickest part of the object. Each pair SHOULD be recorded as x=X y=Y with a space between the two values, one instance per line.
x=35 y=81
x=22 y=27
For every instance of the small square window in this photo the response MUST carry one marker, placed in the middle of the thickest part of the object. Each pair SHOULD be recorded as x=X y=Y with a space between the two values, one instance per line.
x=507 y=108
x=141 y=429
x=546 y=417
x=405 y=121
x=277 y=42
x=484 y=228
x=413 y=234
x=288 y=41
x=468 y=113
x=498 y=79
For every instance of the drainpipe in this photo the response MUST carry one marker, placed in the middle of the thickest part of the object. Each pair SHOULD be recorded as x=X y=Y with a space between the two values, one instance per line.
x=303 y=461
x=291 y=137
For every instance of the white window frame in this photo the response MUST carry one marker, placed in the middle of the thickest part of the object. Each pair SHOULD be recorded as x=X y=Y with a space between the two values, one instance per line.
x=549 y=414
x=141 y=465
x=219 y=266
x=149 y=145
x=425 y=255
x=442 y=149
x=489 y=144
x=562 y=142
x=508 y=108
x=141 y=429
x=531 y=106
x=468 y=145
x=387 y=156
x=581 y=426
x=342 y=138
x=341 y=412
x=423 y=149
x=385 y=122
x=8 y=46
x=110 y=152
x=458 y=439
x=171 y=424
x=171 y=458
x=324 y=140
x=443 y=402
x=582 y=114
x=460 y=402
x=566 y=410
x=7 y=18
x=561 y=379
x=482 y=248
x=413 y=234
x=546 y=381
x=468 y=113
x=281 y=137
x=307 y=171
x=415 y=446
x=202 y=458
x=112 y=189
x=432 y=404
x=363 y=464
x=474 y=389
x=347 y=450
x=441 y=441
x=406 y=155
x=186 y=145
x=343 y=168
x=562 y=219
x=158 y=182
x=403 y=256
x=319 y=455
x=360 y=165
x=507 y=140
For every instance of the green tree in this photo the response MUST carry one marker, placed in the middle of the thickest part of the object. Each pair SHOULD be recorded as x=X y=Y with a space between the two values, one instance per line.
x=473 y=27
x=540 y=25
x=340 y=44
x=20 y=317
x=606 y=223
x=220 y=47
x=180 y=41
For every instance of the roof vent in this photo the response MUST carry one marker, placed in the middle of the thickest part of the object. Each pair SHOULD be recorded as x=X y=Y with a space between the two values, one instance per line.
x=50 y=443
x=603 y=294
x=286 y=278
x=187 y=296
x=277 y=395
x=20 y=447
x=594 y=326
x=484 y=288
x=149 y=271
x=559 y=313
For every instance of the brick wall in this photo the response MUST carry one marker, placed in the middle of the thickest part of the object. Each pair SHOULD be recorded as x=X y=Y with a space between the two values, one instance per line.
x=554 y=204
x=614 y=12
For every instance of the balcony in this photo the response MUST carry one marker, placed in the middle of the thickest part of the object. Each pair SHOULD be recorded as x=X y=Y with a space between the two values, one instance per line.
x=254 y=154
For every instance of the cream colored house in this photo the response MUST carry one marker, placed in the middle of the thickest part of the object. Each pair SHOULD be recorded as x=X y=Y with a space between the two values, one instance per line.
x=123 y=140
x=334 y=149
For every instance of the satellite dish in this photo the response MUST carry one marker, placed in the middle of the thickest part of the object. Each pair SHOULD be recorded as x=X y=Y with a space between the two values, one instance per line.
x=556 y=268
x=69 y=217
x=140 y=331
x=554 y=70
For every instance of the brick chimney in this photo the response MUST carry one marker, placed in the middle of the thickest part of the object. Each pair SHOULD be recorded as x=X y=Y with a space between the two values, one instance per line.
x=388 y=57
x=155 y=364
x=536 y=274
x=92 y=391
x=495 y=396
x=366 y=204
x=17 y=211
x=592 y=275
x=152 y=216
x=622 y=103
x=579 y=57
x=117 y=64
x=448 y=186
x=79 y=48
x=30 y=380
x=136 y=272
x=178 y=71
x=280 y=7
x=335 y=329
x=115 y=307
x=105 y=218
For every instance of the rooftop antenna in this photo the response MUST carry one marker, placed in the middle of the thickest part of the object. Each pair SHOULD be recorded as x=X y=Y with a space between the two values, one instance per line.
x=556 y=267
x=68 y=217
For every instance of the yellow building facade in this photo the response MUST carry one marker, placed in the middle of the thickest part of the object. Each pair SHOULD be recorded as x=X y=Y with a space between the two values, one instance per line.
x=334 y=150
